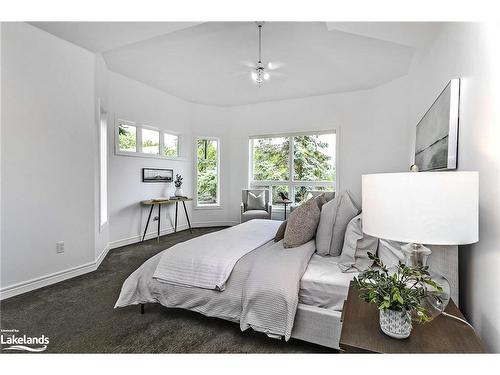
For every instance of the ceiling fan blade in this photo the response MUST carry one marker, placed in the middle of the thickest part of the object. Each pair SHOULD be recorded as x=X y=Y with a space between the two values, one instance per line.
x=273 y=65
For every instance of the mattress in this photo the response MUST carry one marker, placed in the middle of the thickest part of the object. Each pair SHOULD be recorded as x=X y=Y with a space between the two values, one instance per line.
x=323 y=284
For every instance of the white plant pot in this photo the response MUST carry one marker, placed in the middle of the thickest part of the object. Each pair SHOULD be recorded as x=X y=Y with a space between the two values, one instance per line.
x=395 y=323
x=178 y=192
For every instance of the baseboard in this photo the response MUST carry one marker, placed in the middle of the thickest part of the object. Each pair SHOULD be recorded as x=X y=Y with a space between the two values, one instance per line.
x=202 y=224
x=131 y=240
x=40 y=282
x=56 y=277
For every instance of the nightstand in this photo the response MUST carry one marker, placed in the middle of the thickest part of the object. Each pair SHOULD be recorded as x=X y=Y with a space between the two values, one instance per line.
x=361 y=332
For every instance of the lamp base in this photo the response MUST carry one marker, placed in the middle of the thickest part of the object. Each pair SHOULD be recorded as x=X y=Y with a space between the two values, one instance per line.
x=416 y=254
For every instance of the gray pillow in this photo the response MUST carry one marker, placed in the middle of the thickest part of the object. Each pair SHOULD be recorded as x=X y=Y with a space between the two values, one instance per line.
x=280 y=233
x=324 y=233
x=357 y=245
x=256 y=201
x=346 y=211
x=302 y=224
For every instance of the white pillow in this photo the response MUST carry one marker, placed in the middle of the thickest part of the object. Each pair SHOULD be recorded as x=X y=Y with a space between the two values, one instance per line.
x=324 y=232
x=357 y=245
x=256 y=202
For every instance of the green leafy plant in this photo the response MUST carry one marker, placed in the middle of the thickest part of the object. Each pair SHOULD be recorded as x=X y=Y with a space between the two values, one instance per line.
x=402 y=290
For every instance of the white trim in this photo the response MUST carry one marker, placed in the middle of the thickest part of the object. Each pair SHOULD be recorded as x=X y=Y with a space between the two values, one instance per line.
x=53 y=278
x=212 y=206
x=149 y=235
x=203 y=224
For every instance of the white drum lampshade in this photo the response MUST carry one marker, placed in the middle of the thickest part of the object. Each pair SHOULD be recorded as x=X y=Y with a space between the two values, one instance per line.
x=433 y=208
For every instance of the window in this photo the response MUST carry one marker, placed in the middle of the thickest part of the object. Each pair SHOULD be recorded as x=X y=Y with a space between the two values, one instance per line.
x=170 y=145
x=134 y=139
x=293 y=163
x=103 y=168
x=150 y=141
x=127 y=135
x=207 y=172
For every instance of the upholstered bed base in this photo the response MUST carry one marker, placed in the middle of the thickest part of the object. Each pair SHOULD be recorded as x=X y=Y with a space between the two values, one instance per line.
x=317 y=325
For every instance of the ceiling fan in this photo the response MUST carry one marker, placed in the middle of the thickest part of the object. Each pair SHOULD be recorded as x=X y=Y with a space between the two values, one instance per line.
x=261 y=72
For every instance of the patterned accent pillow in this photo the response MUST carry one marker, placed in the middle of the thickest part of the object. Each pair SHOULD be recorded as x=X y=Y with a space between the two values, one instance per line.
x=280 y=233
x=256 y=201
x=302 y=224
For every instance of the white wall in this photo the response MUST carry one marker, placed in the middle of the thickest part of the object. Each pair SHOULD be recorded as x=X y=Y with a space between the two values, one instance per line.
x=137 y=102
x=373 y=132
x=470 y=52
x=47 y=142
x=100 y=101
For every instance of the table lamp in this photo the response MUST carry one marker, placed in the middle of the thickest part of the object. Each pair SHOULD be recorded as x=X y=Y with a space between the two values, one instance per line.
x=432 y=208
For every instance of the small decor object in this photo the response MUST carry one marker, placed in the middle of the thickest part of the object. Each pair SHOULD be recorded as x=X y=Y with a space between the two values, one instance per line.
x=437 y=132
x=283 y=196
x=157 y=175
x=178 y=184
x=398 y=293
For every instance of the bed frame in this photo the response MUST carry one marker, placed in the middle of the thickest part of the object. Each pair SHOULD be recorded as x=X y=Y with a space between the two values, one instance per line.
x=323 y=326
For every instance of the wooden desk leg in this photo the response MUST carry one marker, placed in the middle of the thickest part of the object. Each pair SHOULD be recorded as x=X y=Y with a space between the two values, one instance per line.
x=175 y=227
x=147 y=222
x=159 y=222
x=187 y=217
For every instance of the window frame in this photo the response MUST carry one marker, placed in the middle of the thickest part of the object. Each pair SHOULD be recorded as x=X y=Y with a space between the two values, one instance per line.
x=138 y=131
x=291 y=182
x=213 y=206
x=103 y=151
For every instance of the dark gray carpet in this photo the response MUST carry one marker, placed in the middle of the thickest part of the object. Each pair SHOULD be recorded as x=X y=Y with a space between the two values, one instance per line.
x=78 y=315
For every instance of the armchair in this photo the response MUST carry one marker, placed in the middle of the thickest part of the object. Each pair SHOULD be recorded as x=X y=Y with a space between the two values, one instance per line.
x=247 y=214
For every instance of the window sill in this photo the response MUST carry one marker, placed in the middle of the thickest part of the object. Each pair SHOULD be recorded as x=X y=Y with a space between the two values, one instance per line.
x=150 y=156
x=208 y=207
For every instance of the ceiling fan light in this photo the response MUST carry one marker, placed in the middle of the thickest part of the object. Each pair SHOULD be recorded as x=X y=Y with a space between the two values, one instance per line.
x=266 y=76
x=254 y=76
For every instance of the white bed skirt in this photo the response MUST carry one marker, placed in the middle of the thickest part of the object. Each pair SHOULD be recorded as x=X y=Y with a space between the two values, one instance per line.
x=317 y=325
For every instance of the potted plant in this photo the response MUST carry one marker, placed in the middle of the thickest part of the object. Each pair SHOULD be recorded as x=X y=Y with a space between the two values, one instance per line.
x=398 y=293
x=178 y=184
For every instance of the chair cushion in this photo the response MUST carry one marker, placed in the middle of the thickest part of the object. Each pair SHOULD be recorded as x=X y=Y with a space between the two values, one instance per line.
x=302 y=224
x=256 y=201
x=255 y=214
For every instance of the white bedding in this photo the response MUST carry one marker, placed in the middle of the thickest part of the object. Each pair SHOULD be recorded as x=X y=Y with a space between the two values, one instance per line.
x=207 y=261
x=323 y=284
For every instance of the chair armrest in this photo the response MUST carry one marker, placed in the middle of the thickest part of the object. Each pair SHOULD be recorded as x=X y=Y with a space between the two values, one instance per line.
x=270 y=209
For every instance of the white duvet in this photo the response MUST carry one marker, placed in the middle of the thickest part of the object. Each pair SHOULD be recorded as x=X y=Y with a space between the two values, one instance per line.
x=207 y=261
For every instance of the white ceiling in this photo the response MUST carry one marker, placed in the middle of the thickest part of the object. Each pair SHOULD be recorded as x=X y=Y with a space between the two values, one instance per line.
x=104 y=36
x=209 y=63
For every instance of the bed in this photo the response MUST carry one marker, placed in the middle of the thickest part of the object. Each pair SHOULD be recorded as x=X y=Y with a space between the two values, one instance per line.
x=241 y=275
x=281 y=292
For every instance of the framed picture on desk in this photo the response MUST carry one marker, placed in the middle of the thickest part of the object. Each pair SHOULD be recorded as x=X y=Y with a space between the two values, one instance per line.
x=157 y=175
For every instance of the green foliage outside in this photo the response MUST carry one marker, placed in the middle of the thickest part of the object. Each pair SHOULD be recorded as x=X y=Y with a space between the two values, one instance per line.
x=311 y=162
x=126 y=137
x=207 y=171
x=402 y=290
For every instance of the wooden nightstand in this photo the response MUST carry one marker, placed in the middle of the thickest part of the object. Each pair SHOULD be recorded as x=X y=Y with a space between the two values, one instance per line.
x=361 y=332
